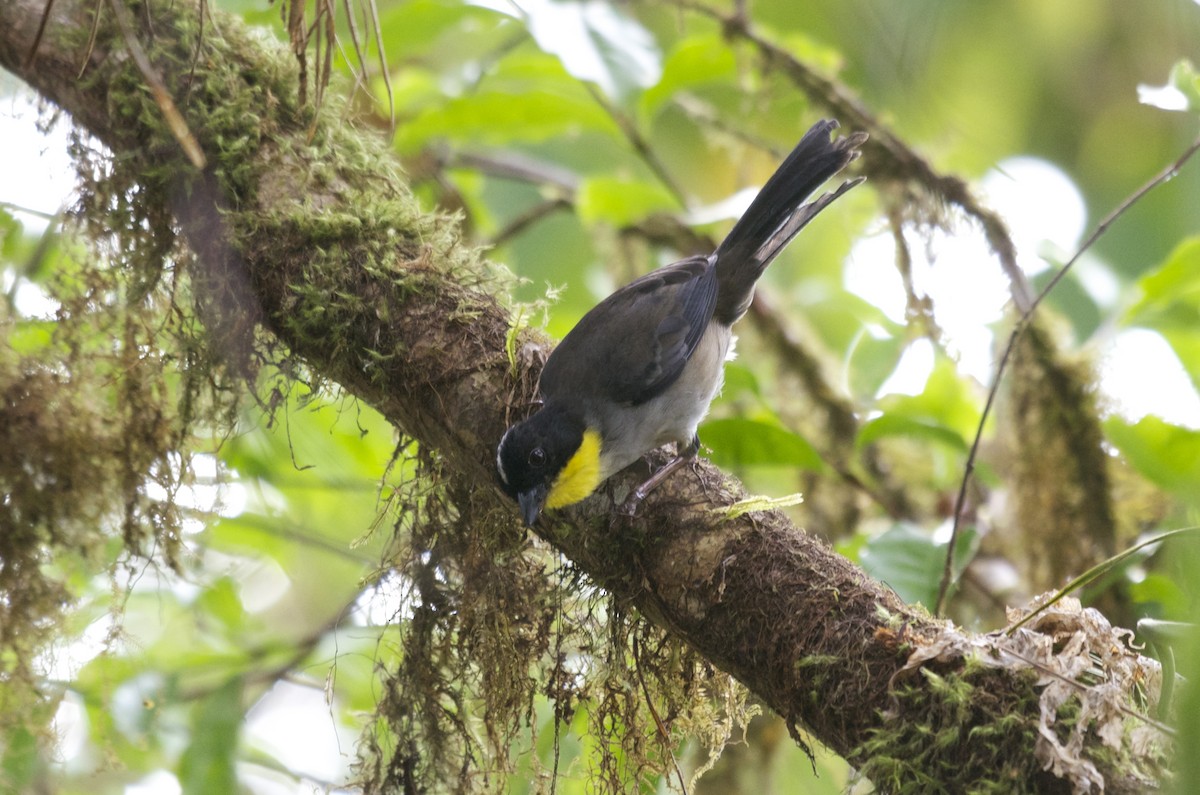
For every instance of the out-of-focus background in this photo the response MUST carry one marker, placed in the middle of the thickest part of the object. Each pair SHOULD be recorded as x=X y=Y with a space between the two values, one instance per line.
x=578 y=141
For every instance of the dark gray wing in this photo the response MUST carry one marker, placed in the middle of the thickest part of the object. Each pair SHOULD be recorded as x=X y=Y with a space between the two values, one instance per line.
x=633 y=345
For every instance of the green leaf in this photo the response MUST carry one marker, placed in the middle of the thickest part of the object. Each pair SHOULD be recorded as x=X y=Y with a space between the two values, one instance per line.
x=21 y=765
x=694 y=61
x=1170 y=304
x=1186 y=344
x=1166 y=454
x=417 y=26
x=596 y=42
x=739 y=442
x=898 y=425
x=621 y=202
x=30 y=336
x=1161 y=594
x=1188 y=711
x=10 y=235
x=222 y=602
x=837 y=316
x=911 y=562
x=740 y=379
x=412 y=90
x=207 y=765
x=758 y=503
x=872 y=360
x=1185 y=78
x=946 y=411
x=1170 y=294
x=502 y=117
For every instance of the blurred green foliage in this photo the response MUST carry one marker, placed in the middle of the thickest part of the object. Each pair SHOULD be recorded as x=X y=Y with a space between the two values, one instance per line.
x=612 y=115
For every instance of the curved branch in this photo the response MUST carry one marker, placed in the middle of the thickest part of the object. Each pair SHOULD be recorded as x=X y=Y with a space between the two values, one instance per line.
x=303 y=227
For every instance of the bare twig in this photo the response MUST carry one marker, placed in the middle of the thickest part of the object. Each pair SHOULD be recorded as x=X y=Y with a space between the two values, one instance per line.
x=640 y=145
x=918 y=308
x=91 y=42
x=325 y=15
x=37 y=39
x=658 y=722
x=514 y=165
x=526 y=219
x=1047 y=671
x=360 y=78
x=1094 y=573
x=162 y=97
x=383 y=65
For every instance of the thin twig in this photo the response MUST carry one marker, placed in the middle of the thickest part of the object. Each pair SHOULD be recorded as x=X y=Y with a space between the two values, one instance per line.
x=91 y=42
x=383 y=66
x=1045 y=669
x=360 y=78
x=37 y=37
x=325 y=14
x=202 y=11
x=1094 y=573
x=640 y=145
x=174 y=119
x=558 y=673
x=526 y=219
x=918 y=308
x=1164 y=175
x=517 y=166
x=662 y=728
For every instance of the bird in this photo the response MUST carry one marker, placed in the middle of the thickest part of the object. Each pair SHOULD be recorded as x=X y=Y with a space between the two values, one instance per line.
x=640 y=369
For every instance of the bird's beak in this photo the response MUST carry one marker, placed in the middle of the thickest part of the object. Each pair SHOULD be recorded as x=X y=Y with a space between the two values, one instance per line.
x=531 y=504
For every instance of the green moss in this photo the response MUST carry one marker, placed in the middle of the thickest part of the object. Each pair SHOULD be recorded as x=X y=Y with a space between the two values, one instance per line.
x=318 y=268
x=922 y=732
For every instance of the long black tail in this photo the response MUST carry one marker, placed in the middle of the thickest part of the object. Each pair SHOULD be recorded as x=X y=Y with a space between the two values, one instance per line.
x=779 y=212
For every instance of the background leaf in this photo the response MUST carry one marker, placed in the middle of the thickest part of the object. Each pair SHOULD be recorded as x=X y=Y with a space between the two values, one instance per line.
x=908 y=560
x=738 y=442
x=207 y=766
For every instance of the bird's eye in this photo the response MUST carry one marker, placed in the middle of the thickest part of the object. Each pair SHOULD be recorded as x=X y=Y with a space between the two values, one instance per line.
x=537 y=457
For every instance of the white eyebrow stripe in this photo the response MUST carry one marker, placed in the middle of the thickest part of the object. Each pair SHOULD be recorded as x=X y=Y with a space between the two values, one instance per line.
x=499 y=463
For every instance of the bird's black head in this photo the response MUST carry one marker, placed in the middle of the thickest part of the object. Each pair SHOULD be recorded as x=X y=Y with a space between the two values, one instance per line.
x=532 y=454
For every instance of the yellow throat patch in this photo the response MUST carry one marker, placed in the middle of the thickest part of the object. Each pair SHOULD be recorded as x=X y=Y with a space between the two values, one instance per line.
x=580 y=476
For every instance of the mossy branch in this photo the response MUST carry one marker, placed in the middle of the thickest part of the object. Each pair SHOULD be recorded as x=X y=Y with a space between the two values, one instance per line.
x=305 y=231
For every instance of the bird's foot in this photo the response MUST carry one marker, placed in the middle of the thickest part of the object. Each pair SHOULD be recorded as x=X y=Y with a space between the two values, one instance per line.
x=686 y=456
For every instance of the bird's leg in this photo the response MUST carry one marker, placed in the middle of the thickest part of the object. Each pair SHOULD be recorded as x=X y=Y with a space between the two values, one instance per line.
x=685 y=456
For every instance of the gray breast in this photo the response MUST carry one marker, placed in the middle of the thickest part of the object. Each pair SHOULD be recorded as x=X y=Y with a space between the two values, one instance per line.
x=632 y=431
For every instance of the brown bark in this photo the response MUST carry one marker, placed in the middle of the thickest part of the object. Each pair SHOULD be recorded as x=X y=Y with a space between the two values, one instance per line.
x=412 y=330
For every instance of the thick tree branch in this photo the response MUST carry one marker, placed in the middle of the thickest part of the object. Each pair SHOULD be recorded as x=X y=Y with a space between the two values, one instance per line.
x=307 y=231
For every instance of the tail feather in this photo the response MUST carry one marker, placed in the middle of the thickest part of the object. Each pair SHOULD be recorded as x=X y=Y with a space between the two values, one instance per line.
x=778 y=213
